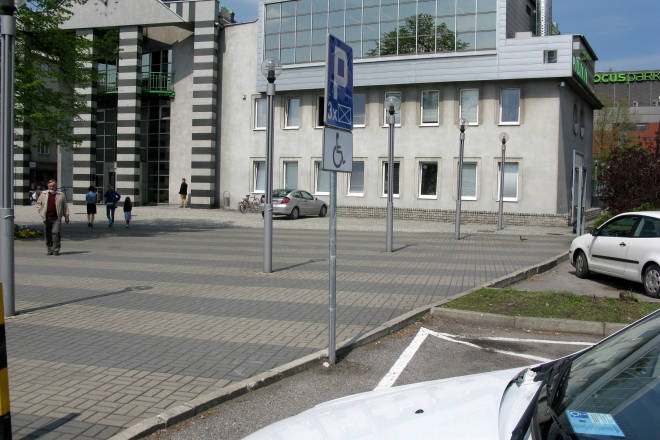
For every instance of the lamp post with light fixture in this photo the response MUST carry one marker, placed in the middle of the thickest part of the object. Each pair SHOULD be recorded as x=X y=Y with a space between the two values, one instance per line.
x=392 y=105
x=504 y=137
x=271 y=69
x=459 y=186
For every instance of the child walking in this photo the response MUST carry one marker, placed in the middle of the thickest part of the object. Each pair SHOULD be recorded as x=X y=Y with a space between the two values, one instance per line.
x=128 y=207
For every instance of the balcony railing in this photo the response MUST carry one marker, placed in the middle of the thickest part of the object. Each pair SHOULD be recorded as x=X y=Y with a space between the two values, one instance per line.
x=107 y=82
x=157 y=83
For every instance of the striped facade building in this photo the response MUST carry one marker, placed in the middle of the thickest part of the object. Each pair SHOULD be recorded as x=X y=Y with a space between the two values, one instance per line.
x=167 y=71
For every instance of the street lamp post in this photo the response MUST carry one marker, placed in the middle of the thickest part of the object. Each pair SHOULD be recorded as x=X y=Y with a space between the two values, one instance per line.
x=459 y=186
x=7 y=40
x=393 y=105
x=271 y=69
x=504 y=137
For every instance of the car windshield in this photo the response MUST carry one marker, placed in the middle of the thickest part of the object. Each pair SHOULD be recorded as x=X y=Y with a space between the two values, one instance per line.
x=611 y=390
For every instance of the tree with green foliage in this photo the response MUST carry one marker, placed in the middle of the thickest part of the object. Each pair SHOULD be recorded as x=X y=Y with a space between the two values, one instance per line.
x=630 y=178
x=419 y=34
x=614 y=125
x=50 y=64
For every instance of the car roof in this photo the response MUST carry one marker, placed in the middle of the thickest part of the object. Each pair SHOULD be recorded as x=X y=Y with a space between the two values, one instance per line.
x=655 y=214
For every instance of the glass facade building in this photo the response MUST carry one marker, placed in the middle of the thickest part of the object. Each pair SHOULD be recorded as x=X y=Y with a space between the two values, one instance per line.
x=295 y=31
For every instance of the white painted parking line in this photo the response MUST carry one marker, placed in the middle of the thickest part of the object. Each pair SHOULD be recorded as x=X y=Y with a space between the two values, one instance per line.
x=401 y=363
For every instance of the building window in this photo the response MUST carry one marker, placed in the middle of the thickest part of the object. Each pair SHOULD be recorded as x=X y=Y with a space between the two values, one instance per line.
x=582 y=123
x=321 y=179
x=356 y=183
x=469 y=183
x=469 y=105
x=550 y=56
x=510 y=181
x=295 y=32
x=576 y=123
x=397 y=114
x=320 y=111
x=359 y=110
x=43 y=151
x=510 y=106
x=260 y=113
x=259 y=173
x=395 y=178
x=430 y=107
x=156 y=128
x=428 y=180
x=290 y=174
x=292 y=113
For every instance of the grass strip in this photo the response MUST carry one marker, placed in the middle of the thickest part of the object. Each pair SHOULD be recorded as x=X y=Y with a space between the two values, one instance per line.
x=562 y=305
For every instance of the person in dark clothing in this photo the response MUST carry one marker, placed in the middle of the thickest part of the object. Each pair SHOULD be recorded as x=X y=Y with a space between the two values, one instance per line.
x=111 y=198
x=128 y=207
x=183 y=192
x=90 y=198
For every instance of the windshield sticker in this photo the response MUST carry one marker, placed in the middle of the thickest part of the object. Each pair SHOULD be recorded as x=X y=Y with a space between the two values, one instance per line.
x=594 y=424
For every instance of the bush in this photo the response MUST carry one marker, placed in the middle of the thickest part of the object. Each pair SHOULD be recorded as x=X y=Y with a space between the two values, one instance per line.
x=27 y=232
x=630 y=178
x=602 y=219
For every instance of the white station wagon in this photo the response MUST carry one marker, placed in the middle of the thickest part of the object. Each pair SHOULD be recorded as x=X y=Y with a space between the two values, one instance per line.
x=627 y=246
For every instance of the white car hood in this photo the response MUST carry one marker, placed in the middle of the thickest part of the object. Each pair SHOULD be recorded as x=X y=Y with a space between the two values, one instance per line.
x=458 y=408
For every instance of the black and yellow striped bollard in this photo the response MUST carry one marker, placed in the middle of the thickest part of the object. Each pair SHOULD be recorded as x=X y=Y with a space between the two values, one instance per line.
x=5 y=416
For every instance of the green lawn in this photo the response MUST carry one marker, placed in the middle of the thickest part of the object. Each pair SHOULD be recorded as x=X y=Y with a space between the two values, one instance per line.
x=564 y=305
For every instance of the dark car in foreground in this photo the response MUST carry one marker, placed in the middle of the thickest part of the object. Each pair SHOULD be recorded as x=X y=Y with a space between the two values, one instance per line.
x=294 y=203
x=608 y=391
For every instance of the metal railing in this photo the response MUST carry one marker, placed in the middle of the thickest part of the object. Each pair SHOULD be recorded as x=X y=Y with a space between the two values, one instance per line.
x=159 y=83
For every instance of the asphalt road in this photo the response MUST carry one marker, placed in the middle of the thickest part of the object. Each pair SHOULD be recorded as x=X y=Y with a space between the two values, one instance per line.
x=364 y=368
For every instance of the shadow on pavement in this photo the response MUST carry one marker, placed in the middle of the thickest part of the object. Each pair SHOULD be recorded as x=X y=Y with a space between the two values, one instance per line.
x=52 y=426
x=299 y=264
x=102 y=295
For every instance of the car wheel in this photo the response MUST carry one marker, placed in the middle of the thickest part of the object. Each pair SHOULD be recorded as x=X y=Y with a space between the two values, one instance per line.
x=581 y=265
x=324 y=211
x=652 y=281
x=294 y=213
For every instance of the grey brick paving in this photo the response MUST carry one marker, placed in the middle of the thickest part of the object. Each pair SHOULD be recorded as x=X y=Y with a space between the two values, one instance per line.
x=129 y=322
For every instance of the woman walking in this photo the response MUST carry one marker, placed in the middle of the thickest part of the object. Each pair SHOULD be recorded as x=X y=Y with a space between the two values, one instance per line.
x=90 y=198
x=111 y=198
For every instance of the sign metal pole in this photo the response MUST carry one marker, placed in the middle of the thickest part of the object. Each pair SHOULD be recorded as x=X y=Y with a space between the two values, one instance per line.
x=268 y=202
x=332 y=295
x=390 y=187
x=459 y=186
x=7 y=39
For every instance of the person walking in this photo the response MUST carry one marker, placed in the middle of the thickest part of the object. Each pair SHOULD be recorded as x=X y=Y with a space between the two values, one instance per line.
x=52 y=206
x=183 y=192
x=111 y=198
x=128 y=207
x=90 y=198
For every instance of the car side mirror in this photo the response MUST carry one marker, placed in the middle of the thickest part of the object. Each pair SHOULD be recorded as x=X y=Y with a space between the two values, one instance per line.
x=315 y=198
x=595 y=232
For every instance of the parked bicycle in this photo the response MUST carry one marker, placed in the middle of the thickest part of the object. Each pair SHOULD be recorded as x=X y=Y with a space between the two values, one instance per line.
x=249 y=203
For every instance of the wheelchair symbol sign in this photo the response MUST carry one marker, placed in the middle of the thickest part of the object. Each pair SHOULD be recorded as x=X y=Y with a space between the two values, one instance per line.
x=337 y=150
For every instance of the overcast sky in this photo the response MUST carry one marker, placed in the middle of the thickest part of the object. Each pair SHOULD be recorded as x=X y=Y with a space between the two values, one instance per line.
x=623 y=33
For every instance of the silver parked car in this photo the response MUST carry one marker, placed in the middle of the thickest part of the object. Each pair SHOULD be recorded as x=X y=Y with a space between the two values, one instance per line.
x=294 y=203
x=627 y=246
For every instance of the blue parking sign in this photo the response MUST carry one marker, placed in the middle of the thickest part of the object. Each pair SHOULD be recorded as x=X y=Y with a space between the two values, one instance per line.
x=339 y=84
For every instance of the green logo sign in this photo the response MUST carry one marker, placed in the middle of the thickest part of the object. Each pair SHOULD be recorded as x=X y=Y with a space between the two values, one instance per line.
x=581 y=71
x=626 y=77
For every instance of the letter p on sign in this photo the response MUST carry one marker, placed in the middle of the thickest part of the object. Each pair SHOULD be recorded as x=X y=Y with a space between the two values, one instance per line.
x=340 y=72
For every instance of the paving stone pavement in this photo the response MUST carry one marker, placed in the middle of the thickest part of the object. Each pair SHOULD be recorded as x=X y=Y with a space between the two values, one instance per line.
x=128 y=322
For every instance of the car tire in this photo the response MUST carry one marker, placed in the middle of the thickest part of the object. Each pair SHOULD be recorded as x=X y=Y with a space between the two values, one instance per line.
x=323 y=211
x=581 y=265
x=652 y=281
x=295 y=213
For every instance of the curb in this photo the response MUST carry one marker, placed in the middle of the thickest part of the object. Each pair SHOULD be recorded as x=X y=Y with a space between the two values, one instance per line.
x=204 y=402
x=524 y=322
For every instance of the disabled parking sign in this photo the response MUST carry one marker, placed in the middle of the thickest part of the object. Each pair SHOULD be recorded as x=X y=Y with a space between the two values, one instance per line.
x=339 y=84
